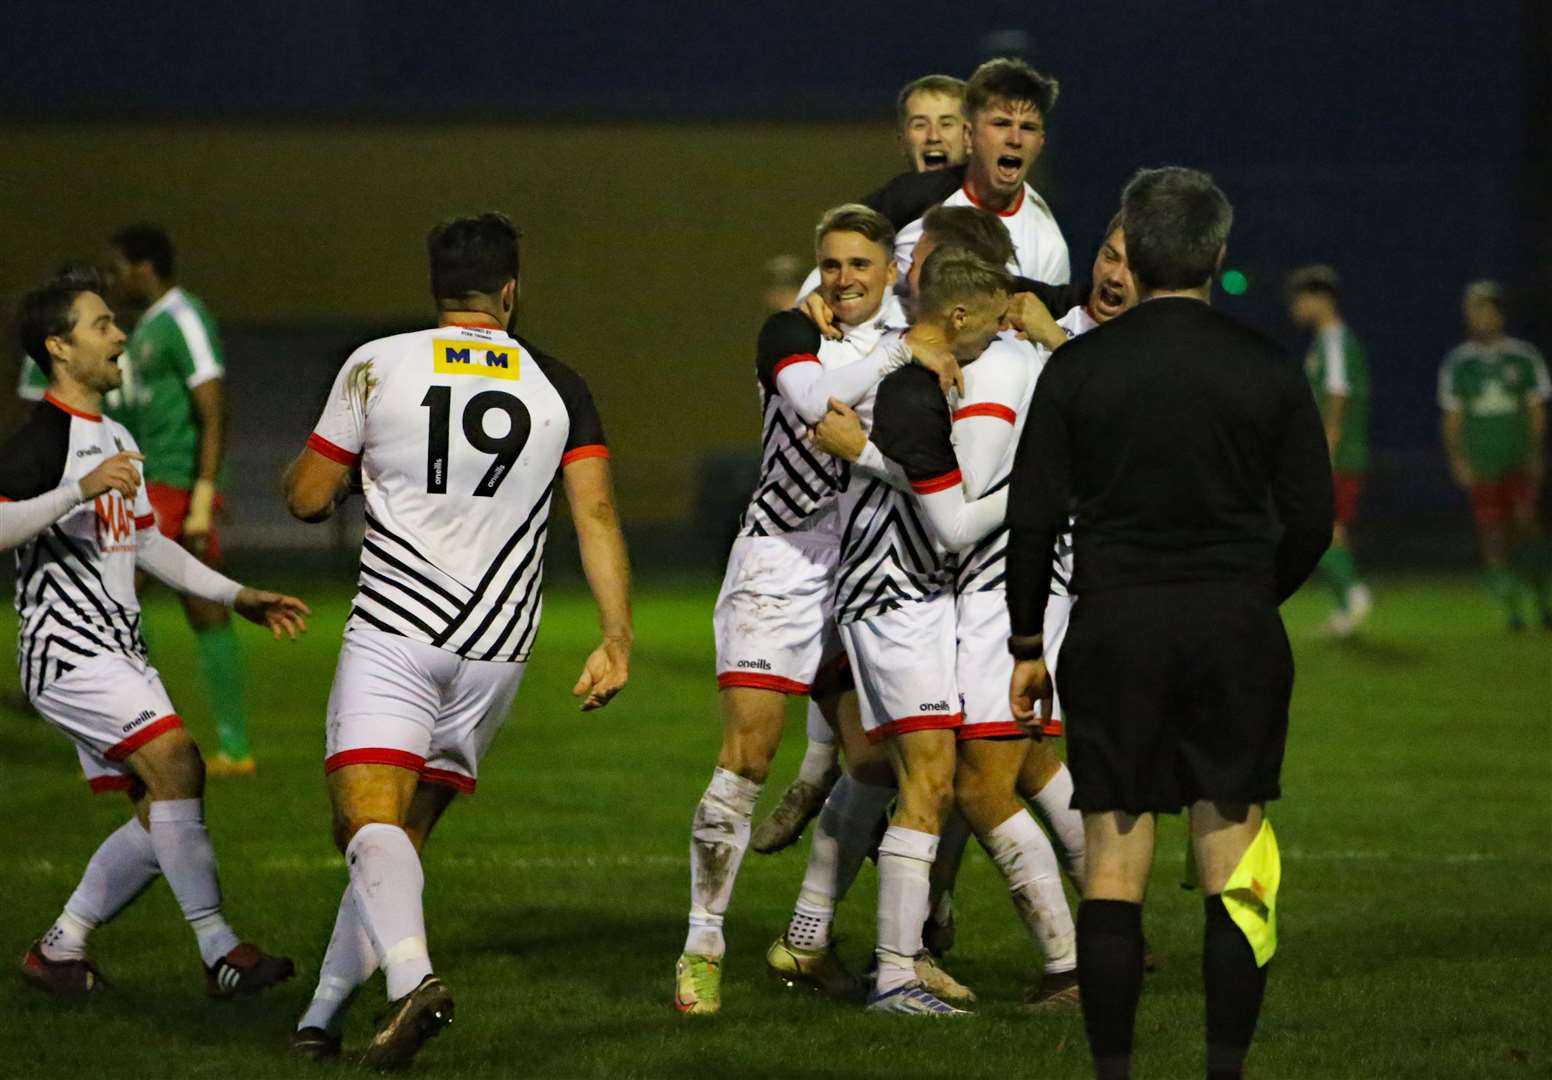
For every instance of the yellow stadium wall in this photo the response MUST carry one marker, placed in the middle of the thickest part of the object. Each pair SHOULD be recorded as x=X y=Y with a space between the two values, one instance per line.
x=644 y=245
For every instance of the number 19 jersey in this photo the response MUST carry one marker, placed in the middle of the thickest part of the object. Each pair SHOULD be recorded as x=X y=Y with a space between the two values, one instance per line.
x=460 y=432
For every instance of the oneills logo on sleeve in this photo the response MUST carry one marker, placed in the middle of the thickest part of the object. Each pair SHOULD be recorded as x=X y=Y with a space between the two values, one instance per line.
x=461 y=356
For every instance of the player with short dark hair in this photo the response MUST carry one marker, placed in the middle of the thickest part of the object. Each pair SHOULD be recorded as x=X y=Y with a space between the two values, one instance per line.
x=1007 y=105
x=73 y=505
x=173 y=400
x=459 y=434
x=1339 y=376
x=1493 y=392
x=930 y=112
x=1175 y=673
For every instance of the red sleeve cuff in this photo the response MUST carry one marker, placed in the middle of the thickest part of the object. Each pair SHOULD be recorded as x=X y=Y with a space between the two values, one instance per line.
x=580 y=452
x=986 y=408
x=937 y=483
x=145 y=521
x=788 y=361
x=319 y=444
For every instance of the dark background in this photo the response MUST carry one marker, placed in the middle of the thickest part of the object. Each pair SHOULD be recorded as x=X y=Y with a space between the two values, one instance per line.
x=1405 y=144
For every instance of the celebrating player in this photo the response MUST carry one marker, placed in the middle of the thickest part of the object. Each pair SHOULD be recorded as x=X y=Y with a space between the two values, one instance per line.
x=895 y=608
x=1007 y=103
x=931 y=115
x=1493 y=390
x=1339 y=375
x=996 y=764
x=932 y=130
x=773 y=614
x=73 y=504
x=459 y=433
x=172 y=401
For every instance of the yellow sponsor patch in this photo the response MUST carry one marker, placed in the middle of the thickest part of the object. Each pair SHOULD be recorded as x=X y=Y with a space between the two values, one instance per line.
x=461 y=356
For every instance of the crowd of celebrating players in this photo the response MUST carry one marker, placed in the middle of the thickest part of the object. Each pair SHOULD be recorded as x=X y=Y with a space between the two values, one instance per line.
x=869 y=576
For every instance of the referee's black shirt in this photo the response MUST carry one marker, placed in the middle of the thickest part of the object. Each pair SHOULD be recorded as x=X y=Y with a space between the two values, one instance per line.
x=1187 y=446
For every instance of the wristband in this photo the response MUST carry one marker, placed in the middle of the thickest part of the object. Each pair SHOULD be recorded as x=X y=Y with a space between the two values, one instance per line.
x=1026 y=646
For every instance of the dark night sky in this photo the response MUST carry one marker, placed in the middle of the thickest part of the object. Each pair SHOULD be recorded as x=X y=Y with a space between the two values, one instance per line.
x=1395 y=141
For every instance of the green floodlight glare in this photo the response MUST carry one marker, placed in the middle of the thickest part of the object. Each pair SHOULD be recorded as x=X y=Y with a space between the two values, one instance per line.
x=1234 y=282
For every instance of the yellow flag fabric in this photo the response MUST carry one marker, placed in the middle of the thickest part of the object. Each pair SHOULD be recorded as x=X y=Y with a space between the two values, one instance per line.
x=1250 y=897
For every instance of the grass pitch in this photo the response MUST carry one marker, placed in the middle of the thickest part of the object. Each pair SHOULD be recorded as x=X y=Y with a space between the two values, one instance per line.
x=1415 y=913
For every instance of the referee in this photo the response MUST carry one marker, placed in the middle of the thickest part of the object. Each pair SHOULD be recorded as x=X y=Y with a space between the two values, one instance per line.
x=1190 y=454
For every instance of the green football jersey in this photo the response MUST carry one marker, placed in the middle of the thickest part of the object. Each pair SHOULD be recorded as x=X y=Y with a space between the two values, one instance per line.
x=1337 y=368
x=1491 y=385
x=174 y=348
x=31 y=384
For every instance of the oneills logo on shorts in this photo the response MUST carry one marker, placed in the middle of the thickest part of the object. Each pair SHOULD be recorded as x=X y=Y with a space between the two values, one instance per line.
x=762 y=665
x=934 y=706
x=145 y=715
x=460 y=356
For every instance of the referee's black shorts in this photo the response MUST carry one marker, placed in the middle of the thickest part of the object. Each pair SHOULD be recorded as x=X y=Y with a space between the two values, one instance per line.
x=1175 y=693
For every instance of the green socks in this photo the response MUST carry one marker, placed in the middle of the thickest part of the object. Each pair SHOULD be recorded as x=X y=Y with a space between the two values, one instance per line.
x=1340 y=572
x=221 y=668
x=1533 y=563
x=1501 y=583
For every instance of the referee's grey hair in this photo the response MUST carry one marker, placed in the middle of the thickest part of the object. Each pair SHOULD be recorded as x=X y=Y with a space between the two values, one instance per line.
x=1177 y=224
x=954 y=275
x=854 y=217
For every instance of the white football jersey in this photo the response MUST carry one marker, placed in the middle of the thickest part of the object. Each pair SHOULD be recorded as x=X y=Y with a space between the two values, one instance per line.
x=75 y=580
x=460 y=432
x=797 y=485
x=1039 y=249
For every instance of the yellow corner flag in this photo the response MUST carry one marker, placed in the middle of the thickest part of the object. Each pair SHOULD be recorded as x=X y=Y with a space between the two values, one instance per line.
x=1250 y=896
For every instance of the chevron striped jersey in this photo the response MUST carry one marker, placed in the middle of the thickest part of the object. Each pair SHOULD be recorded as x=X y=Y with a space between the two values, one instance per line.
x=460 y=433
x=75 y=581
x=797 y=484
x=888 y=555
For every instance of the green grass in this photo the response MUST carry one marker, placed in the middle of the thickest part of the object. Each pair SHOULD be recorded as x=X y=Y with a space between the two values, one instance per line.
x=1416 y=907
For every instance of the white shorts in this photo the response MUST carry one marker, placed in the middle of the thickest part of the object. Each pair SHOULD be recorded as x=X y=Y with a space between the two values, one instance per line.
x=772 y=620
x=903 y=661
x=986 y=666
x=402 y=702
x=110 y=706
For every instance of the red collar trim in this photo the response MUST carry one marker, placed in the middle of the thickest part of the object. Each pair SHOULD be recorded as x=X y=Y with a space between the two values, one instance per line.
x=1009 y=212
x=483 y=322
x=95 y=418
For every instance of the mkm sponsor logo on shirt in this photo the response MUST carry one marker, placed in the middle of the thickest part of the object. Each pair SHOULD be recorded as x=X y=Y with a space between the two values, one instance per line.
x=460 y=356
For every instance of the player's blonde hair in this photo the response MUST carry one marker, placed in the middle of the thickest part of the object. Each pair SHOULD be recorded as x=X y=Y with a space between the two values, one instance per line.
x=854 y=217
x=952 y=275
x=946 y=85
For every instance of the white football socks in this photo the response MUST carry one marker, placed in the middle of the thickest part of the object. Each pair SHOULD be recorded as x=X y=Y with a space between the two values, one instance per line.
x=842 y=836
x=1054 y=802
x=904 y=862
x=386 y=881
x=123 y=865
x=348 y=962
x=719 y=836
x=945 y=868
x=821 y=757
x=1028 y=863
x=188 y=862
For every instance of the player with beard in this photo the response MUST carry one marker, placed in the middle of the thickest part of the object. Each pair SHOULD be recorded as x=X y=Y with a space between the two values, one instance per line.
x=773 y=615
x=74 y=507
